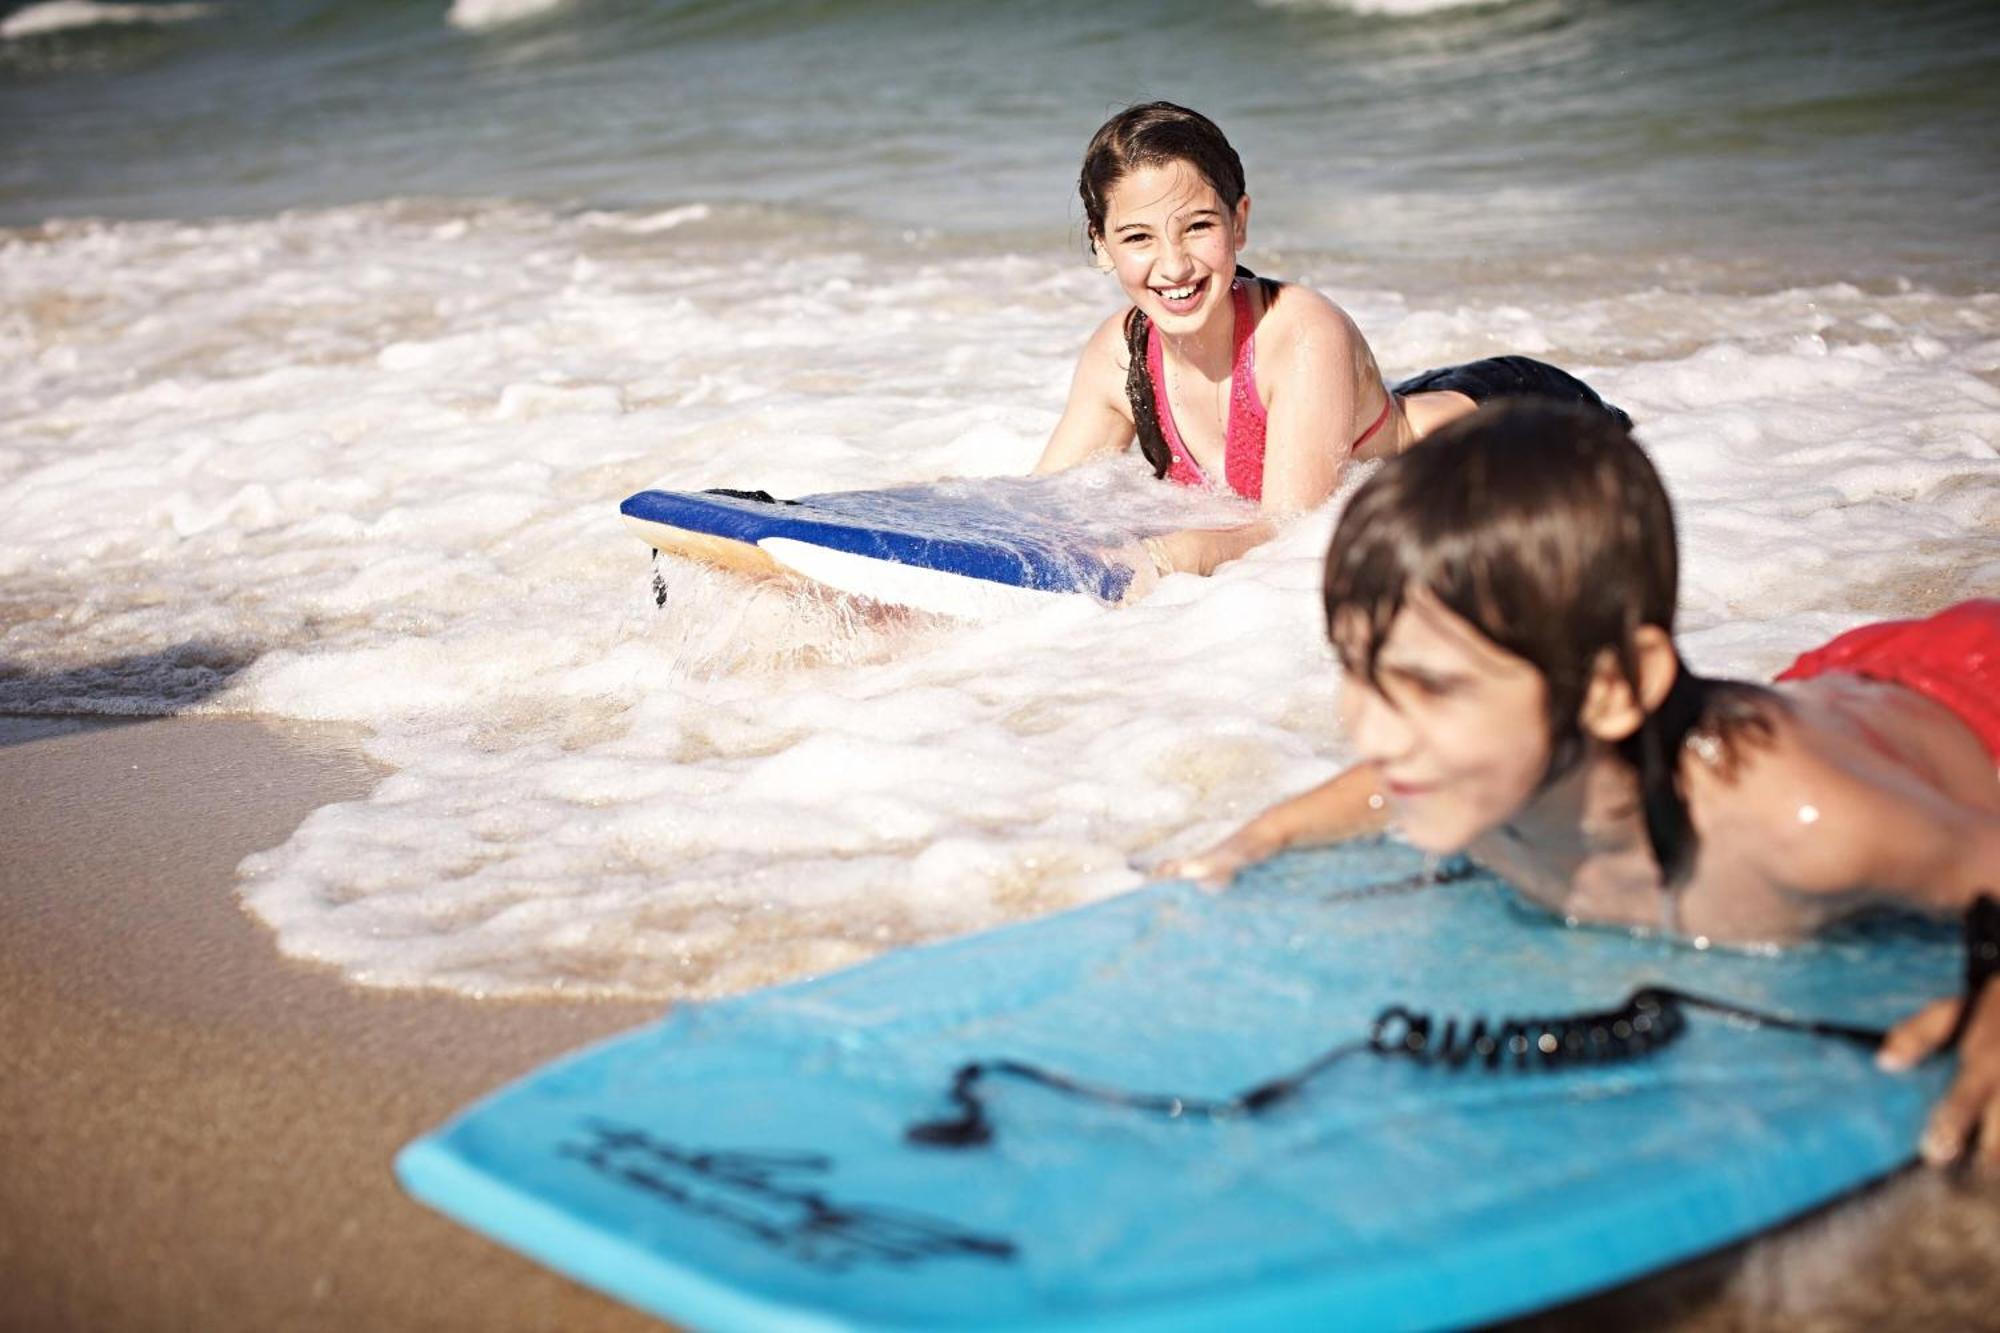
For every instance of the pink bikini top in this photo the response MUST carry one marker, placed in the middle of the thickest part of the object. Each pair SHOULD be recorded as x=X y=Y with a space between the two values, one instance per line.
x=1243 y=446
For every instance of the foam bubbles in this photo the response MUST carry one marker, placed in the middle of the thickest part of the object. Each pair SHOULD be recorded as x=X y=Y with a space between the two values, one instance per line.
x=1390 y=8
x=364 y=466
x=37 y=20
x=476 y=15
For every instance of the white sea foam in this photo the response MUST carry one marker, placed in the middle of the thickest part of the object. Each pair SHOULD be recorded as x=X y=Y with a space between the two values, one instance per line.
x=62 y=15
x=474 y=15
x=364 y=465
x=1392 y=8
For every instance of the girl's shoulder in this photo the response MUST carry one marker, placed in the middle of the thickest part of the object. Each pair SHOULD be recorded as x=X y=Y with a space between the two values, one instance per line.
x=1299 y=318
x=1111 y=340
x=1294 y=301
x=1106 y=356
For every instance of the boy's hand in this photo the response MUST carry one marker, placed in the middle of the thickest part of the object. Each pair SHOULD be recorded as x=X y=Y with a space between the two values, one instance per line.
x=1343 y=807
x=1971 y=1108
x=1214 y=868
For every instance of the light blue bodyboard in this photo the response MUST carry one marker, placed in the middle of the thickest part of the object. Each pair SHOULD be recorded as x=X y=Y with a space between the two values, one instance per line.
x=742 y=1164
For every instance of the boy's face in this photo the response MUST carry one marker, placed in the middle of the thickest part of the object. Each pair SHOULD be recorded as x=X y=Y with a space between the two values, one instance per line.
x=1458 y=726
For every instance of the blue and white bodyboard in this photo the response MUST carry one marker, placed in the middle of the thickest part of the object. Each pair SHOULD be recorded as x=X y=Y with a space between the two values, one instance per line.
x=742 y=1164
x=942 y=547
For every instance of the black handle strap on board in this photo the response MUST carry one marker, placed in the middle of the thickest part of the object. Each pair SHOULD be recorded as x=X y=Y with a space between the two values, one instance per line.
x=760 y=497
x=1650 y=1019
x=1982 y=960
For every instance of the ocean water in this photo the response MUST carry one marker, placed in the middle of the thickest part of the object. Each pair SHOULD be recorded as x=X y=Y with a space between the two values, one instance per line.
x=333 y=331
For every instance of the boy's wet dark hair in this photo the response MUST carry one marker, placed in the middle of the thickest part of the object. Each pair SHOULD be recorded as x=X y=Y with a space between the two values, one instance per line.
x=1546 y=527
x=1154 y=134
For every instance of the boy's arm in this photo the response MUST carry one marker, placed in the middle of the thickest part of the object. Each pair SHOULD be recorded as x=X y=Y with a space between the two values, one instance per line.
x=1343 y=807
x=1971 y=1108
x=1812 y=817
x=1816 y=827
x=1825 y=830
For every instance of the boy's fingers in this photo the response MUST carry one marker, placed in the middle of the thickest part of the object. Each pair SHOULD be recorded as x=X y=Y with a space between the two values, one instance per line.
x=1917 y=1036
x=1213 y=872
x=1952 y=1121
x=1206 y=870
x=1989 y=1135
x=1943 y=1137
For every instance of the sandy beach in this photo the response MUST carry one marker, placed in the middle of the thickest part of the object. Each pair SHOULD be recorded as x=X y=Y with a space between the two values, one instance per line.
x=198 y=1132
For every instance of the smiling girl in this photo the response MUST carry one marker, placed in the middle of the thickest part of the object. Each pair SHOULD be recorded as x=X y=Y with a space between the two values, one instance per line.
x=1226 y=379
x=1502 y=601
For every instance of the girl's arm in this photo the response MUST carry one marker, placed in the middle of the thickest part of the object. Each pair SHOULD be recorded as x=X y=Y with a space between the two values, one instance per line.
x=1096 y=419
x=1311 y=357
x=1314 y=367
x=1189 y=551
x=1200 y=550
x=1347 y=806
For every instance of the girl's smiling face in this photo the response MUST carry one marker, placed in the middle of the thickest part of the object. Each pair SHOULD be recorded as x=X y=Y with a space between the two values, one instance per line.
x=1456 y=724
x=1172 y=243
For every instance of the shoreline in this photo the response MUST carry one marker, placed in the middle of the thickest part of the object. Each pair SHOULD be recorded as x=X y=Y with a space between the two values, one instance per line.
x=199 y=1131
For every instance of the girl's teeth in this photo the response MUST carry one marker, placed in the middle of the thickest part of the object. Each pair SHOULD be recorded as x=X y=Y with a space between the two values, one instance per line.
x=1178 y=293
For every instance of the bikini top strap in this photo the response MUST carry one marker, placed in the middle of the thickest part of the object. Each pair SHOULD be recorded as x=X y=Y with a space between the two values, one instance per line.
x=1269 y=286
x=1240 y=288
x=1240 y=291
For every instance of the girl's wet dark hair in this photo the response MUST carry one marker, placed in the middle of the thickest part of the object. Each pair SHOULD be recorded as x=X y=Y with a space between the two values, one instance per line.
x=1149 y=135
x=1546 y=527
x=1153 y=134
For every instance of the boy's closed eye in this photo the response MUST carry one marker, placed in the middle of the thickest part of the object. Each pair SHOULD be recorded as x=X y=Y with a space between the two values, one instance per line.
x=1425 y=683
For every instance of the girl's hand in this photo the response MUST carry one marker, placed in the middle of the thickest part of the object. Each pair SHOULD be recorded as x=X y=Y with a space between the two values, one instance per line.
x=1149 y=559
x=1971 y=1108
x=1215 y=868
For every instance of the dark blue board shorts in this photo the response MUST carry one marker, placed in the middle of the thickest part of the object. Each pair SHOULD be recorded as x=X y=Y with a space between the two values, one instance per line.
x=1511 y=377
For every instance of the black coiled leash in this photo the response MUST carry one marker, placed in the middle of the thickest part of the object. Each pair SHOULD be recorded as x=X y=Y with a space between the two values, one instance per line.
x=1652 y=1018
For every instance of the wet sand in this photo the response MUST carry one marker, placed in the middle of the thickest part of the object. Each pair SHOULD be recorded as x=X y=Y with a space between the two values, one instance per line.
x=197 y=1132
